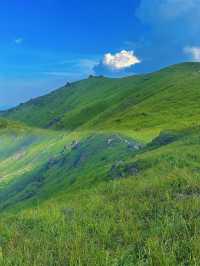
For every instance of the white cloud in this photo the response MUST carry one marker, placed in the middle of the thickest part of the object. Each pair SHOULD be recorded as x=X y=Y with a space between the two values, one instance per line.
x=193 y=52
x=19 y=40
x=121 y=60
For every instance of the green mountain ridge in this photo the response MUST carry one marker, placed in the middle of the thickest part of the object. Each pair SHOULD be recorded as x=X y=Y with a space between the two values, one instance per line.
x=137 y=103
x=104 y=172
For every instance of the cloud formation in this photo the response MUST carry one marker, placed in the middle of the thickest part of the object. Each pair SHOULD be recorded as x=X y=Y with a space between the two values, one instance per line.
x=121 y=60
x=193 y=52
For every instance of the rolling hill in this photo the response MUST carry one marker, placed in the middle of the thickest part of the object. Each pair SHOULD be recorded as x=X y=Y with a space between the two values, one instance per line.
x=104 y=172
x=138 y=103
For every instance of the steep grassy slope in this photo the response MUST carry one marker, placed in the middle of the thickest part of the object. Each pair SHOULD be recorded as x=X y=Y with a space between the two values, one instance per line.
x=93 y=195
x=42 y=165
x=139 y=103
x=149 y=217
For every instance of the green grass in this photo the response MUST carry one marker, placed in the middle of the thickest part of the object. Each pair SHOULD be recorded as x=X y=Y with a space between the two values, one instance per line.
x=103 y=201
x=142 y=105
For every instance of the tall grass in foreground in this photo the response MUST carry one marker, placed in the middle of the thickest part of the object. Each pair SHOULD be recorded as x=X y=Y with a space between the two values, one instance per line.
x=137 y=221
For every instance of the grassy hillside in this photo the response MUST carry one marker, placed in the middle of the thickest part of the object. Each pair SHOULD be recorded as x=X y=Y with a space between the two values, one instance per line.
x=139 y=104
x=118 y=185
x=40 y=166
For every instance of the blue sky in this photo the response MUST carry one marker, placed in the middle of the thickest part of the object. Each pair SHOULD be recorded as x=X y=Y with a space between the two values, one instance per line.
x=45 y=43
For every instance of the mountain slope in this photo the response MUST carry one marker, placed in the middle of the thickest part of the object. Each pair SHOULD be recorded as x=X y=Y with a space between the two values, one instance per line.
x=138 y=103
x=145 y=216
x=89 y=193
x=132 y=103
x=42 y=166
